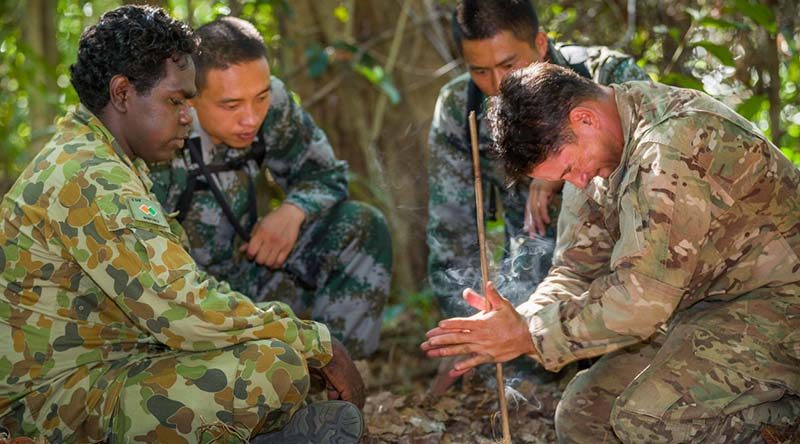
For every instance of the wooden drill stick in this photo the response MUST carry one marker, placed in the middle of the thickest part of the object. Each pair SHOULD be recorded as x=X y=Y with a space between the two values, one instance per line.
x=476 y=168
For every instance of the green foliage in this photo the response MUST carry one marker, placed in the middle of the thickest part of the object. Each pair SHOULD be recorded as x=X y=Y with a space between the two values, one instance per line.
x=319 y=60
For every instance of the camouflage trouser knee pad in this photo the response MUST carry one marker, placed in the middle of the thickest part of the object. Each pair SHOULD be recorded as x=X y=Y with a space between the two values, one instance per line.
x=223 y=395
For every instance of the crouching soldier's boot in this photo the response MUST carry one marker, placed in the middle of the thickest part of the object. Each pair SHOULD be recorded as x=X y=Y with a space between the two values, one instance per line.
x=326 y=422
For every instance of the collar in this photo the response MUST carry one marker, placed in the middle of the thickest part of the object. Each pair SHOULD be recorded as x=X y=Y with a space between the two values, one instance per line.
x=627 y=112
x=96 y=126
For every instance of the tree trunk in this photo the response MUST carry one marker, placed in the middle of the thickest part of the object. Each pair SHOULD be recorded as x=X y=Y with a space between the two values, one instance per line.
x=385 y=144
x=40 y=36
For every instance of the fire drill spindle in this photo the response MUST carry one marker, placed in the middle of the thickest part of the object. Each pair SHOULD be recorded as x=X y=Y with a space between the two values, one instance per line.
x=476 y=168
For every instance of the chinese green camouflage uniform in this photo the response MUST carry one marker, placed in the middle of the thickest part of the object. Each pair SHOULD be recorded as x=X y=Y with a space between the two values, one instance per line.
x=339 y=270
x=111 y=332
x=453 y=260
x=682 y=270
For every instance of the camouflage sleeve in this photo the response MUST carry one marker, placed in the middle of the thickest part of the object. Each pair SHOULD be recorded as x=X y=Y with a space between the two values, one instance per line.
x=651 y=264
x=143 y=268
x=615 y=67
x=451 y=233
x=300 y=157
x=582 y=253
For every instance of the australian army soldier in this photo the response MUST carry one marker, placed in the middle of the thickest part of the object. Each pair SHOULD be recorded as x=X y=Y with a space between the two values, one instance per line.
x=111 y=333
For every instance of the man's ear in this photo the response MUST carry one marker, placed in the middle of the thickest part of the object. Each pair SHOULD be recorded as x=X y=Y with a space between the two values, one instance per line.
x=582 y=116
x=540 y=43
x=120 y=89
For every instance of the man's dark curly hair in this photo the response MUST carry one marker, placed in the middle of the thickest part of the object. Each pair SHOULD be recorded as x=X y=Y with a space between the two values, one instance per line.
x=530 y=117
x=133 y=41
x=224 y=42
x=484 y=19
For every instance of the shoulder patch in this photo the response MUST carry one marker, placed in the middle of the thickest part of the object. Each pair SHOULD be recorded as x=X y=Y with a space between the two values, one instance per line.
x=146 y=210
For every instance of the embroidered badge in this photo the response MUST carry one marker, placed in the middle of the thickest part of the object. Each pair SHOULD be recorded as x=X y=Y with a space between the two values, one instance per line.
x=146 y=210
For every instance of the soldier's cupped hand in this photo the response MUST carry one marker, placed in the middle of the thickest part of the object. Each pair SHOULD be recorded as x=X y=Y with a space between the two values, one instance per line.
x=494 y=335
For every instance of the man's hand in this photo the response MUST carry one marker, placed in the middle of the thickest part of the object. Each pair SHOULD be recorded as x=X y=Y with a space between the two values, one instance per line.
x=274 y=236
x=496 y=335
x=540 y=195
x=344 y=381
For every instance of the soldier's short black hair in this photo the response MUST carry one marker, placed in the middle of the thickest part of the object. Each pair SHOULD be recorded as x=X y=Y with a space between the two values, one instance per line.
x=530 y=117
x=133 y=41
x=224 y=42
x=483 y=19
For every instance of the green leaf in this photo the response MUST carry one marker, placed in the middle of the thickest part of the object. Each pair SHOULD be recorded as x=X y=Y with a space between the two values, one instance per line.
x=750 y=108
x=342 y=14
x=723 y=53
x=378 y=77
x=723 y=24
x=682 y=80
x=759 y=13
x=792 y=155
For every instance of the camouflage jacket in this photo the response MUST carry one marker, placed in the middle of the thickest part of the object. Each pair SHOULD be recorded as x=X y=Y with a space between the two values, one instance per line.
x=451 y=235
x=93 y=273
x=701 y=207
x=298 y=157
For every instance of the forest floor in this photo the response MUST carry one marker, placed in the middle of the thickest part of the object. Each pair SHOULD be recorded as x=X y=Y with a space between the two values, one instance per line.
x=400 y=410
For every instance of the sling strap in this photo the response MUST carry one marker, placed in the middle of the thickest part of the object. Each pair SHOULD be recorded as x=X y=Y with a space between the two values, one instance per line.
x=200 y=178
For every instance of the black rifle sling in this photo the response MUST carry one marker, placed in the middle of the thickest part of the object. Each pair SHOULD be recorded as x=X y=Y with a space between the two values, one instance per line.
x=199 y=168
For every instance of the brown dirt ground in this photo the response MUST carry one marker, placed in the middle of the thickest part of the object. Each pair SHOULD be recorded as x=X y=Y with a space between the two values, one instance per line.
x=398 y=409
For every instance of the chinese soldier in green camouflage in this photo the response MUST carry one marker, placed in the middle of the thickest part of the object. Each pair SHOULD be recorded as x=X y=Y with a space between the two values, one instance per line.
x=111 y=332
x=677 y=261
x=495 y=37
x=322 y=254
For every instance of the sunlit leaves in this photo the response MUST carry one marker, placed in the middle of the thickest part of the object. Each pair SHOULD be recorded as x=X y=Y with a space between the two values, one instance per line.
x=723 y=53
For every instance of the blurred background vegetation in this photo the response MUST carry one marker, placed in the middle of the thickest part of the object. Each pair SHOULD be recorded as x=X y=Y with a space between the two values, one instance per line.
x=369 y=72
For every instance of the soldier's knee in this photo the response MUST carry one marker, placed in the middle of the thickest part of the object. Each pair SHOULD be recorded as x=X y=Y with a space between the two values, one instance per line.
x=635 y=425
x=576 y=419
x=371 y=222
x=275 y=369
x=566 y=419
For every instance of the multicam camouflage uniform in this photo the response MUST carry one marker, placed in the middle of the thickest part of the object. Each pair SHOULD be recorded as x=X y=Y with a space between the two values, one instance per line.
x=340 y=267
x=111 y=332
x=453 y=261
x=691 y=245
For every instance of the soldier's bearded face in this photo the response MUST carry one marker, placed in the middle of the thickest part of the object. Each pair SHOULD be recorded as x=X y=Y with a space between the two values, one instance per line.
x=157 y=122
x=489 y=60
x=234 y=102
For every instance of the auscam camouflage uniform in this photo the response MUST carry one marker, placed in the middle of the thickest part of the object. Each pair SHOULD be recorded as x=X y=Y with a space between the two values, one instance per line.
x=340 y=268
x=111 y=332
x=691 y=245
x=453 y=261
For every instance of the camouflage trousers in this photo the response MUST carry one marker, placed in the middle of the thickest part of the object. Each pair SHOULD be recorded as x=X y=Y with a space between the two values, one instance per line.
x=338 y=273
x=720 y=372
x=222 y=396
